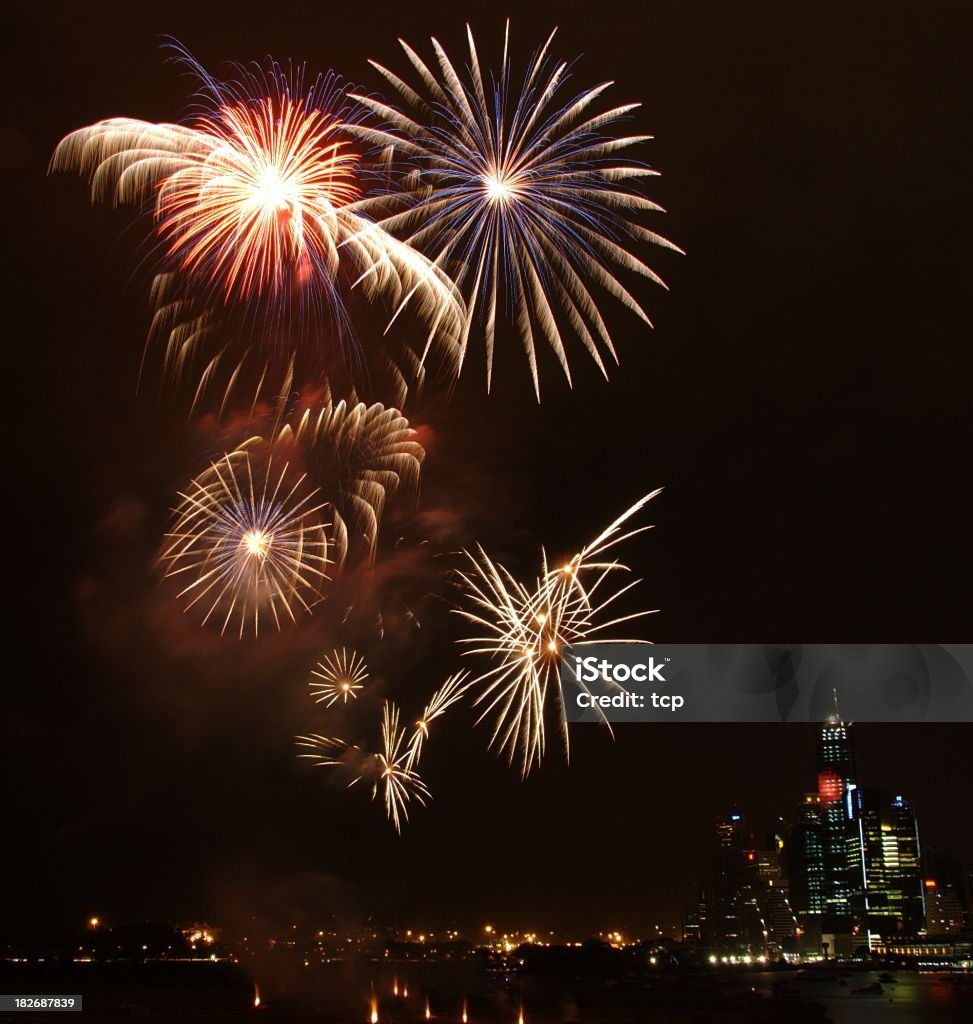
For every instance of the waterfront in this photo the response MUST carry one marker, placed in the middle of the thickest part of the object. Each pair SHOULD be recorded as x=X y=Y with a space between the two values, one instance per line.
x=458 y=993
x=913 y=998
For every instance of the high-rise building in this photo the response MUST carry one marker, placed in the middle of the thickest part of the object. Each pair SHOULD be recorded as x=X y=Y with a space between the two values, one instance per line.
x=836 y=775
x=751 y=912
x=883 y=864
x=772 y=892
x=805 y=859
x=734 y=862
x=908 y=874
x=872 y=863
x=944 y=910
x=697 y=925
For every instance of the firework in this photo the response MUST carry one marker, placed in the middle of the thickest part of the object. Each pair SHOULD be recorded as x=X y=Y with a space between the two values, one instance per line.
x=522 y=630
x=399 y=782
x=338 y=676
x=522 y=190
x=361 y=455
x=393 y=769
x=250 y=540
x=444 y=698
x=255 y=205
x=330 y=751
x=390 y=770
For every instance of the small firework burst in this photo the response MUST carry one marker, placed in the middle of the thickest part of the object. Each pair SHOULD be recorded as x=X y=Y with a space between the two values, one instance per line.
x=441 y=701
x=338 y=676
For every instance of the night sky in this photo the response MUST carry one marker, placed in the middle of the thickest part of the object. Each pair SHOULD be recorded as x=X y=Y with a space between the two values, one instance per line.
x=803 y=399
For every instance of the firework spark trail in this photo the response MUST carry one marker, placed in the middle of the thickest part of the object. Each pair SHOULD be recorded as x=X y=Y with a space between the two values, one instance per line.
x=256 y=200
x=390 y=769
x=250 y=539
x=338 y=676
x=393 y=769
x=441 y=701
x=328 y=751
x=521 y=191
x=400 y=783
x=522 y=630
x=360 y=455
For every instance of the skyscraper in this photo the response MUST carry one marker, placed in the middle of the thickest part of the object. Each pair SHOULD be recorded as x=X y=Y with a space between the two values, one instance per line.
x=836 y=775
x=805 y=860
x=884 y=864
x=908 y=875
x=876 y=902
x=734 y=862
x=751 y=910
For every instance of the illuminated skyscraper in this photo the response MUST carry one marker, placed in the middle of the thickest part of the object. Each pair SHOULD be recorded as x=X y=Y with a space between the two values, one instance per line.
x=837 y=774
x=735 y=861
x=908 y=875
x=805 y=859
x=872 y=864
x=883 y=864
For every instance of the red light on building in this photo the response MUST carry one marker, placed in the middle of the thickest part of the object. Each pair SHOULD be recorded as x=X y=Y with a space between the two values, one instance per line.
x=829 y=787
x=930 y=883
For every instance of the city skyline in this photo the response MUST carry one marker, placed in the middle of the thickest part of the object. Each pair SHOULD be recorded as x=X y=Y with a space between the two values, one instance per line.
x=847 y=873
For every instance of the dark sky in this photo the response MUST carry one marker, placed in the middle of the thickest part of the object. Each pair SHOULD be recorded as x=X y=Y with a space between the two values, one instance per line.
x=803 y=399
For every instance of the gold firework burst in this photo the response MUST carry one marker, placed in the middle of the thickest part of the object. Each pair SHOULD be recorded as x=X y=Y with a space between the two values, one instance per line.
x=522 y=631
x=338 y=676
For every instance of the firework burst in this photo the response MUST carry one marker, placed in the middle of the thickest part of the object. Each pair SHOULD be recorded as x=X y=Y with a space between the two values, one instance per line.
x=441 y=701
x=393 y=769
x=338 y=676
x=255 y=206
x=249 y=541
x=521 y=189
x=361 y=454
x=399 y=781
x=522 y=630
x=390 y=771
